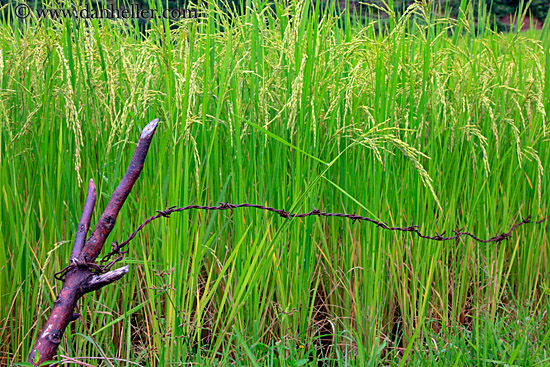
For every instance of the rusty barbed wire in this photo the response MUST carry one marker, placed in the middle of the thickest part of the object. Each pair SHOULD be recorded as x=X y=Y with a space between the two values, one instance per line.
x=117 y=252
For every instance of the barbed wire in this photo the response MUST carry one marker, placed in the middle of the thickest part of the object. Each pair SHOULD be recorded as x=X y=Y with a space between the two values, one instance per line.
x=119 y=249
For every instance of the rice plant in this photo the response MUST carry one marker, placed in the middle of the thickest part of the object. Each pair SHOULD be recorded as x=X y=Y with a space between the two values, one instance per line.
x=425 y=119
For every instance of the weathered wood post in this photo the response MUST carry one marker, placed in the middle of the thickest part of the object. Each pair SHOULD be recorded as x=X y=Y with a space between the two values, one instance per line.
x=83 y=275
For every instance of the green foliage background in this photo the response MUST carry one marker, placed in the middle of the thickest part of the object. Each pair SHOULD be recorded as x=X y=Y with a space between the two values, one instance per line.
x=497 y=8
x=282 y=108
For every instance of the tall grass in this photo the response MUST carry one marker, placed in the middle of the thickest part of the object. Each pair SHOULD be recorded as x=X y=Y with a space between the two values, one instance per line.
x=430 y=119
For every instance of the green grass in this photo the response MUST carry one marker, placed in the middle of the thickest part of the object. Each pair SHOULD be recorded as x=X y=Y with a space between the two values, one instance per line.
x=284 y=108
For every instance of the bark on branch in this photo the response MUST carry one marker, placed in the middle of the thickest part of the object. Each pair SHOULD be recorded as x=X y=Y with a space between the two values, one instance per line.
x=80 y=279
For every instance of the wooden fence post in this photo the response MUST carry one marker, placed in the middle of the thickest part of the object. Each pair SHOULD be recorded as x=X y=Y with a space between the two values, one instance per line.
x=83 y=275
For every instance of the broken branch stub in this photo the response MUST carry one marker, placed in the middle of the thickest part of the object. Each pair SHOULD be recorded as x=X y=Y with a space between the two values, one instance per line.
x=79 y=277
x=85 y=219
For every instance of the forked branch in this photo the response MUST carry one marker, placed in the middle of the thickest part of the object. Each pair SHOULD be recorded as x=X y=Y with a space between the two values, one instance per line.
x=80 y=275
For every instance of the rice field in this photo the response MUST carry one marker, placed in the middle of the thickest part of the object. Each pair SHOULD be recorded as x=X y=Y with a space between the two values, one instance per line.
x=426 y=119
